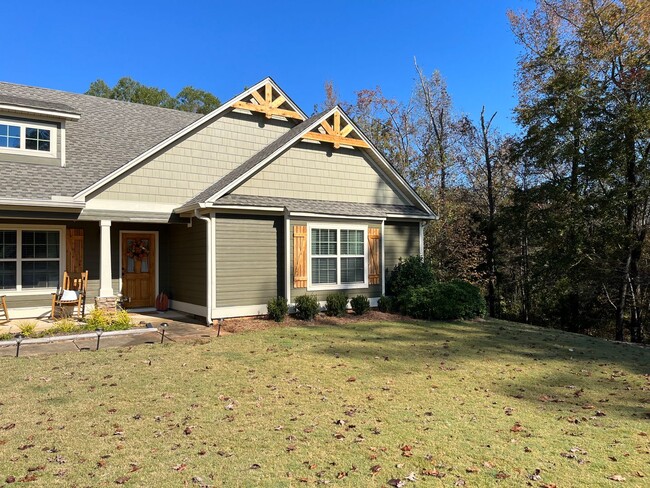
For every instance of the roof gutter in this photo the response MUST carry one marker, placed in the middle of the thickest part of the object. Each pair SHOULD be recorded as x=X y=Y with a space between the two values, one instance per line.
x=42 y=203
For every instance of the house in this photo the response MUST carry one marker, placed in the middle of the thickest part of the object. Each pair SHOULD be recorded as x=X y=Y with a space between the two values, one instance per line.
x=220 y=211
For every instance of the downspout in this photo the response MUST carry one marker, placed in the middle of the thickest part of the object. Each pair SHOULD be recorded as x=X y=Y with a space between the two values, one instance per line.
x=209 y=264
x=383 y=262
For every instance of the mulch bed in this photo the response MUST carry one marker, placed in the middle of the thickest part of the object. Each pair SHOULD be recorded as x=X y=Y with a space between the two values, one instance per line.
x=236 y=325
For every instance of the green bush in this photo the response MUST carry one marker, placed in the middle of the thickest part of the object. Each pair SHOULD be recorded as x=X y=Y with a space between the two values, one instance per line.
x=97 y=319
x=360 y=304
x=443 y=301
x=103 y=319
x=387 y=304
x=411 y=272
x=277 y=308
x=336 y=304
x=6 y=336
x=27 y=329
x=64 y=326
x=307 y=307
x=120 y=321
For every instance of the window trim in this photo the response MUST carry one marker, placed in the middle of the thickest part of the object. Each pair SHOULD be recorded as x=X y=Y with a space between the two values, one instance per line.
x=19 y=290
x=24 y=124
x=338 y=227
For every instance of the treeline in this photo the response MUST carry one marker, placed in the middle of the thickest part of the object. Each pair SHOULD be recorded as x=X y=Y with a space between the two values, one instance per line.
x=551 y=223
x=189 y=99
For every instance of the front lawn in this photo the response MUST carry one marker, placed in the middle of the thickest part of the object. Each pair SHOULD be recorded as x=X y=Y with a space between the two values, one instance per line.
x=361 y=404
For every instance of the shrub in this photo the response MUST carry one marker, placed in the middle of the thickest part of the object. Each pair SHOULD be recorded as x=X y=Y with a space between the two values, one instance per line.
x=307 y=307
x=27 y=329
x=336 y=304
x=411 y=272
x=387 y=304
x=6 y=336
x=360 y=304
x=97 y=319
x=277 y=308
x=120 y=321
x=443 y=301
x=64 y=326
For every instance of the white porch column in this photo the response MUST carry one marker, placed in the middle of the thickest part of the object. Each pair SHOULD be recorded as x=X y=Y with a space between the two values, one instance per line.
x=105 y=275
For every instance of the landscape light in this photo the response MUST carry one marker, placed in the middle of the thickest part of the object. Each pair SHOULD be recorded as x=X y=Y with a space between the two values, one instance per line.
x=163 y=326
x=220 y=322
x=19 y=338
x=99 y=331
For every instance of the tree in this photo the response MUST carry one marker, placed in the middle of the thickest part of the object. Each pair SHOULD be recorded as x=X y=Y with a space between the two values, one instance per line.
x=189 y=99
x=584 y=91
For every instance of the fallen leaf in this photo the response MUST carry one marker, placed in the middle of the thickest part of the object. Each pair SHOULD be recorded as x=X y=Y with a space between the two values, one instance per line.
x=472 y=469
x=375 y=469
x=396 y=482
x=616 y=477
x=255 y=466
x=433 y=472
x=502 y=476
x=516 y=428
x=180 y=467
x=122 y=480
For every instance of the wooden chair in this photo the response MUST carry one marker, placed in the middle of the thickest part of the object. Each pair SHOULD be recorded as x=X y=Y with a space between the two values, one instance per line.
x=3 y=307
x=71 y=294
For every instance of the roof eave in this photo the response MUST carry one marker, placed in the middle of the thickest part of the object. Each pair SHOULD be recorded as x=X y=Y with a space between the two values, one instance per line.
x=10 y=202
x=21 y=109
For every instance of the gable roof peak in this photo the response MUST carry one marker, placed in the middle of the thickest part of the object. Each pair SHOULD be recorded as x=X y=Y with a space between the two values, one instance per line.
x=268 y=98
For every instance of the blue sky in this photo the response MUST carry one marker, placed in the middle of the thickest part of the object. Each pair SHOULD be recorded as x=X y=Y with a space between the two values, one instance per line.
x=223 y=47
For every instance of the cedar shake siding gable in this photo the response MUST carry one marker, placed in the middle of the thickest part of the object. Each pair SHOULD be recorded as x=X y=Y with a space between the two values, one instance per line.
x=316 y=172
x=197 y=160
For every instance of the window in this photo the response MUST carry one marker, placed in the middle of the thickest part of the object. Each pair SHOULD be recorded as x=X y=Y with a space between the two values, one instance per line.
x=27 y=137
x=337 y=257
x=29 y=259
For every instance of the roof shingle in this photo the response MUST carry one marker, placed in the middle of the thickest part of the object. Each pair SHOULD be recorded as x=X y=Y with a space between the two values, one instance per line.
x=109 y=134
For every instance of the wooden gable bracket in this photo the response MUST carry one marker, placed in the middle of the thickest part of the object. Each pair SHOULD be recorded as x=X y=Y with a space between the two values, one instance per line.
x=268 y=104
x=335 y=134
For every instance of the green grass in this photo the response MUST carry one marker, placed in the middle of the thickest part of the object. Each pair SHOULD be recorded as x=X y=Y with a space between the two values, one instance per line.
x=485 y=402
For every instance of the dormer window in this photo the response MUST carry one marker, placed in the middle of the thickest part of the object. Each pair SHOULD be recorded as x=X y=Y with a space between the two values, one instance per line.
x=27 y=138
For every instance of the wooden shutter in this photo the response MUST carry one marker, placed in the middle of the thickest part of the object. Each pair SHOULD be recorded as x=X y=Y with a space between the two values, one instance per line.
x=374 y=265
x=300 y=256
x=74 y=251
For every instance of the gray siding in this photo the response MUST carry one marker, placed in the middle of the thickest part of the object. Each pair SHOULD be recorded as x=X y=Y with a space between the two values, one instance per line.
x=315 y=172
x=249 y=262
x=402 y=241
x=371 y=291
x=187 y=262
x=197 y=161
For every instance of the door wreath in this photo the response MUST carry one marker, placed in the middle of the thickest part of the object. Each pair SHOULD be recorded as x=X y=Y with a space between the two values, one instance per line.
x=138 y=249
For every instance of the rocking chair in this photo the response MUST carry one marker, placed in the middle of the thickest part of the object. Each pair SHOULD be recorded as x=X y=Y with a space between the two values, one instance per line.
x=71 y=294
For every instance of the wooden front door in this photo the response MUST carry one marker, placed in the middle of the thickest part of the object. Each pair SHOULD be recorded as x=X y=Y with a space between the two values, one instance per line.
x=139 y=269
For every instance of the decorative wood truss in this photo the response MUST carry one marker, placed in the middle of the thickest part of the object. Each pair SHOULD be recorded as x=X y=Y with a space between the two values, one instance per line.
x=265 y=100
x=332 y=132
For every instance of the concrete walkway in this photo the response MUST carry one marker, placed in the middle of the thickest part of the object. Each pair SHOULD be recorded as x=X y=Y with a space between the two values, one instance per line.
x=181 y=328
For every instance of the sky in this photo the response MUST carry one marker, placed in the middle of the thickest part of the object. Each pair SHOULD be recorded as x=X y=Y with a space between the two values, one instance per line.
x=224 y=47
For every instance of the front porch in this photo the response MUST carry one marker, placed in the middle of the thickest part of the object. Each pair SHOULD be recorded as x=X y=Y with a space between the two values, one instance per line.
x=132 y=259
